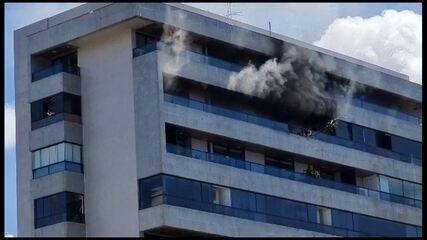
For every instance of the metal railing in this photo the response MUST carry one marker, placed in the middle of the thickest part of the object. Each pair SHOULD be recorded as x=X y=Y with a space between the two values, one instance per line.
x=54 y=70
x=284 y=173
x=281 y=126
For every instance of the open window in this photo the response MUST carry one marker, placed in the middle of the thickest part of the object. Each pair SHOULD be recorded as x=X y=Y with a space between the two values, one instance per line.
x=324 y=216
x=383 y=140
x=222 y=196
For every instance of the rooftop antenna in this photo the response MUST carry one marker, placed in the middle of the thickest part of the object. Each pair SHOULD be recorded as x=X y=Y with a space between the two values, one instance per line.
x=230 y=13
x=269 y=27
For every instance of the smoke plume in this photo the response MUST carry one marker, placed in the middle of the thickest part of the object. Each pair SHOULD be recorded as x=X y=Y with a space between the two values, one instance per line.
x=299 y=80
x=174 y=42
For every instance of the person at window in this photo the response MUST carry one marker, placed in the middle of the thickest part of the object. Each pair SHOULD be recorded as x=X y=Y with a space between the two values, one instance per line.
x=50 y=111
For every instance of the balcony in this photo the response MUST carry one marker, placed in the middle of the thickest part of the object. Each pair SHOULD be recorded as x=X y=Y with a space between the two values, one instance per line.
x=287 y=174
x=280 y=126
x=223 y=64
x=58 y=68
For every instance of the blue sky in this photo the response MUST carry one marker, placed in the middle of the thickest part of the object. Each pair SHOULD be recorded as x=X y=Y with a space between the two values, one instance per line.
x=309 y=22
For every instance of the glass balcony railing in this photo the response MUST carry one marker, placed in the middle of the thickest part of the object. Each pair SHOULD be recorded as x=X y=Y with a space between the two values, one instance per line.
x=54 y=70
x=179 y=201
x=192 y=56
x=287 y=174
x=285 y=128
x=384 y=110
x=57 y=167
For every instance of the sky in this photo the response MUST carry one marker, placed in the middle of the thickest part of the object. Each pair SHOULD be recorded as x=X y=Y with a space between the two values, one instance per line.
x=385 y=34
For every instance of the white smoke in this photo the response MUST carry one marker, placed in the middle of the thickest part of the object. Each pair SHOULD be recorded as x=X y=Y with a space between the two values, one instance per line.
x=392 y=40
x=175 y=41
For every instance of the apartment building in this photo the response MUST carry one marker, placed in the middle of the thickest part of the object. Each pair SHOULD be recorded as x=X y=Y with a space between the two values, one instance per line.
x=127 y=126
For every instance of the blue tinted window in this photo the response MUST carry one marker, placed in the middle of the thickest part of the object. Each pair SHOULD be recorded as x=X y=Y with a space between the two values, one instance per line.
x=358 y=134
x=148 y=188
x=344 y=130
x=369 y=136
x=55 y=208
x=342 y=219
x=183 y=188
x=378 y=226
x=243 y=199
x=207 y=193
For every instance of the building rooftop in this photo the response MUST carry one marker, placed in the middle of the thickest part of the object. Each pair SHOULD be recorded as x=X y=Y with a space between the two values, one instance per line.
x=90 y=8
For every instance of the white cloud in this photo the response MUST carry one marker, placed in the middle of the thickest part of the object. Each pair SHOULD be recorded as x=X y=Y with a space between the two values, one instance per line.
x=391 y=40
x=9 y=125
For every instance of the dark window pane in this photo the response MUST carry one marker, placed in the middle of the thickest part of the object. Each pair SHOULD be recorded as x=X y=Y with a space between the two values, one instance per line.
x=342 y=219
x=358 y=134
x=344 y=130
x=369 y=136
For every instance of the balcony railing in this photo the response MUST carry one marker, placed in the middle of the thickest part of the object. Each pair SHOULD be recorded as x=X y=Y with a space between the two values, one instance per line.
x=54 y=70
x=281 y=126
x=284 y=173
x=57 y=167
x=191 y=55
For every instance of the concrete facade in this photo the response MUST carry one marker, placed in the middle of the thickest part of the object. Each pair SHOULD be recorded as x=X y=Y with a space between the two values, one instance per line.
x=123 y=117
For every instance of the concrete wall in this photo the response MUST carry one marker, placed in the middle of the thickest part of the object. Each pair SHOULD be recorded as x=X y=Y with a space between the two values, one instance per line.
x=70 y=229
x=55 y=133
x=105 y=61
x=262 y=183
x=263 y=136
x=149 y=128
x=185 y=218
x=25 y=208
x=56 y=183
x=60 y=82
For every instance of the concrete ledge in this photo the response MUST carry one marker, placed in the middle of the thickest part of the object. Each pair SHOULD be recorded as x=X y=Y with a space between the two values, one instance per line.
x=247 y=132
x=285 y=188
x=219 y=77
x=57 y=182
x=55 y=133
x=212 y=223
x=60 y=82
x=63 y=229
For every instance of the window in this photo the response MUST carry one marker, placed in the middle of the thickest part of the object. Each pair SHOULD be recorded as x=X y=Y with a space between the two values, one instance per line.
x=324 y=216
x=383 y=140
x=406 y=146
x=236 y=152
x=68 y=60
x=369 y=136
x=391 y=185
x=285 y=162
x=60 y=207
x=222 y=196
x=344 y=130
x=50 y=107
x=51 y=159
